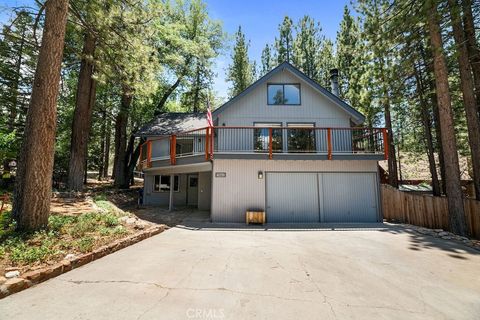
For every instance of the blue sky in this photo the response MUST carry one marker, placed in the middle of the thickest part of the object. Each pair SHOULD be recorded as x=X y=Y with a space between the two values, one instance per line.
x=259 y=20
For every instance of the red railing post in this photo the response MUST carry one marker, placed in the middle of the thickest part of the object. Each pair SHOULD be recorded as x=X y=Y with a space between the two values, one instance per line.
x=329 y=143
x=212 y=141
x=385 y=142
x=270 y=143
x=173 y=149
x=207 y=143
x=149 y=153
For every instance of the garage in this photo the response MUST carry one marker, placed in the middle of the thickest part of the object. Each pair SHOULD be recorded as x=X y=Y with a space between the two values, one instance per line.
x=348 y=197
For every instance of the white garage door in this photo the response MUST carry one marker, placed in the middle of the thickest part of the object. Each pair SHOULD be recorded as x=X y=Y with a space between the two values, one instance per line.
x=292 y=197
x=321 y=197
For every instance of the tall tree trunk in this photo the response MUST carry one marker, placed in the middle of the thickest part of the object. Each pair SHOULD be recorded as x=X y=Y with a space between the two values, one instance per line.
x=428 y=133
x=133 y=161
x=428 y=58
x=468 y=91
x=106 y=155
x=103 y=133
x=163 y=100
x=31 y=206
x=449 y=142
x=121 y=139
x=82 y=117
x=473 y=49
x=392 y=157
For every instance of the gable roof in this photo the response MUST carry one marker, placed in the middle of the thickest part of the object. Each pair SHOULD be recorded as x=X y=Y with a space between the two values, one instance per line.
x=357 y=117
x=172 y=122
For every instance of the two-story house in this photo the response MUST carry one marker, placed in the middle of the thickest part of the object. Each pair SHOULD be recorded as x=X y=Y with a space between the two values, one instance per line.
x=285 y=145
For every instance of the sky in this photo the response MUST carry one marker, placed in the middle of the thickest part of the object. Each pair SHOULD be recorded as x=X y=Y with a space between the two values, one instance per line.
x=259 y=20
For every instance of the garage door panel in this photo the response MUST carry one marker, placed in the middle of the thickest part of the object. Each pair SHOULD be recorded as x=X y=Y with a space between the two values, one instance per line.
x=349 y=197
x=292 y=197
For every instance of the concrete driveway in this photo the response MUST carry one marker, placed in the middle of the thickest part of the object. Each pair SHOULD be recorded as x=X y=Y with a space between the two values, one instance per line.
x=370 y=273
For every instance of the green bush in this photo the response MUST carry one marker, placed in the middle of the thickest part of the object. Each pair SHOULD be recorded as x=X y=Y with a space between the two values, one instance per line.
x=57 y=222
x=21 y=251
x=85 y=244
x=7 y=224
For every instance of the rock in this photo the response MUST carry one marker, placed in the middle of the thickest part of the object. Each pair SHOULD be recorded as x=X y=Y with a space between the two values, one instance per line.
x=70 y=256
x=130 y=221
x=2 y=280
x=15 y=285
x=11 y=269
x=447 y=238
x=12 y=274
x=443 y=234
x=438 y=230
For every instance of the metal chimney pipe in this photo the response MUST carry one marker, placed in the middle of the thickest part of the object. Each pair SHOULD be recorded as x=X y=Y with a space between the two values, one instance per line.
x=334 y=81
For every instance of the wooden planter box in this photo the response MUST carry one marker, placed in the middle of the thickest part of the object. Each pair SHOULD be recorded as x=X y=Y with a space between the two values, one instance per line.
x=255 y=217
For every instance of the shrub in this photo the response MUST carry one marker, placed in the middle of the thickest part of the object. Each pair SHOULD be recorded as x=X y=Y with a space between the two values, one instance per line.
x=57 y=222
x=7 y=224
x=85 y=244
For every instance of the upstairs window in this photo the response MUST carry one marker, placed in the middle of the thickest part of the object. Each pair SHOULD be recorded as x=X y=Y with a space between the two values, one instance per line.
x=283 y=94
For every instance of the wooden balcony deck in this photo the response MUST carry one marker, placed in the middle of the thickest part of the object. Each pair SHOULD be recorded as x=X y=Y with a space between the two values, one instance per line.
x=279 y=143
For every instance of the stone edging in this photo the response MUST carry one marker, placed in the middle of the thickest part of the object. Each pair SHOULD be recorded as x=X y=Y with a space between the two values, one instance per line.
x=440 y=233
x=31 y=278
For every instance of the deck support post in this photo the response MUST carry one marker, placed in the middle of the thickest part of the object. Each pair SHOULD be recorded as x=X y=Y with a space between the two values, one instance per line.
x=149 y=153
x=170 y=201
x=173 y=150
x=385 y=142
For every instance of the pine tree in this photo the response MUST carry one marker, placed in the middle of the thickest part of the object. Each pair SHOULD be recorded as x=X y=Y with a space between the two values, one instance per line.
x=306 y=46
x=240 y=70
x=284 y=43
x=18 y=54
x=267 y=60
x=449 y=143
x=31 y=206
x=325 y=62
x=347 y=53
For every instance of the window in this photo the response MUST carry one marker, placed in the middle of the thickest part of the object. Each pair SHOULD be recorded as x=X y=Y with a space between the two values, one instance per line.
x=162 y=184
x=262 y=137
x=283 y=94
x=300 y=137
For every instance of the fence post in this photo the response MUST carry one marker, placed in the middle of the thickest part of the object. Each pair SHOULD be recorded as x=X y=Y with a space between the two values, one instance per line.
x=173 y=149
x=270 y=143
x=385 y=143
x=329 y=143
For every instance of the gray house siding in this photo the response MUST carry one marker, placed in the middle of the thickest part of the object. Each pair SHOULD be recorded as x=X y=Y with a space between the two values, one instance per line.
x=161 y=198
x=242 y=190
x=204 y=190
x=179 y=198
x=314 y=108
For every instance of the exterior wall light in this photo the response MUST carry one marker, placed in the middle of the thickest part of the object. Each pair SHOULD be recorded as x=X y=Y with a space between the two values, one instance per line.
x=260 y=175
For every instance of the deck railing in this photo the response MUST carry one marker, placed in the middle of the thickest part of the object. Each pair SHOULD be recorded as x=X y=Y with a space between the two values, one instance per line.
x=266 y=140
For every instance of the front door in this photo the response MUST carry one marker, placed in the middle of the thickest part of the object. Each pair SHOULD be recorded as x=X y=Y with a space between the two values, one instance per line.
x=192 y=191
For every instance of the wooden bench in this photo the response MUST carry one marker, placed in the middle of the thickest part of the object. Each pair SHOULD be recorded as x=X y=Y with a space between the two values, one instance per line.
x=255 y=217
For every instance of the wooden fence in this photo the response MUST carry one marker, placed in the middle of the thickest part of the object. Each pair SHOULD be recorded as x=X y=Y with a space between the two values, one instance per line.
x=425 y=210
